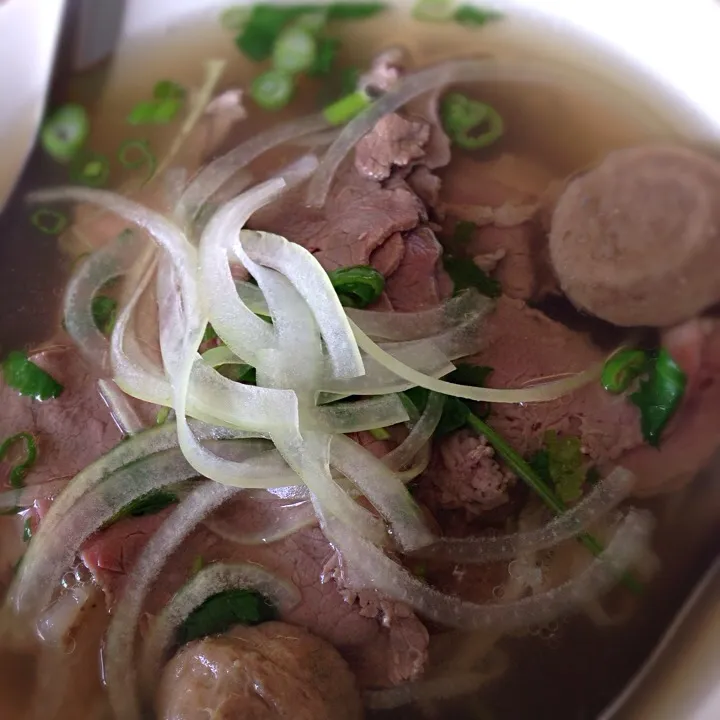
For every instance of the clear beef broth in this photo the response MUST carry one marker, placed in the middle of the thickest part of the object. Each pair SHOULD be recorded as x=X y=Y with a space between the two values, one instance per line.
x=561 y=129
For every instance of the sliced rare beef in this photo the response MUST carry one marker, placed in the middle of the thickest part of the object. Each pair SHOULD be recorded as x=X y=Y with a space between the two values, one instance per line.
x=71 y=430
x=502 y=198
x=267 y=672
x=383 y=649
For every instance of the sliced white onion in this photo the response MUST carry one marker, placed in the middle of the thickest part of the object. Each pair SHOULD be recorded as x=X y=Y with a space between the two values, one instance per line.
x=209 y=581
x=407 y=89
x=537 y=393
x=608 y=494
x=419 y=436
x=122 y=412
x=120 y=669
x=384 y=489
x=58 y=621
x=92 y=274
x=369 y=567
x=398 y=326
x=219 y=171
x=25 y=497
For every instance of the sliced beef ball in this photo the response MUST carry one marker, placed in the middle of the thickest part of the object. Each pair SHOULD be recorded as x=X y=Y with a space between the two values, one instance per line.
x=358 y=217
x=373 y=646
x=636 y=241
x=71 y=430
x=267 y=672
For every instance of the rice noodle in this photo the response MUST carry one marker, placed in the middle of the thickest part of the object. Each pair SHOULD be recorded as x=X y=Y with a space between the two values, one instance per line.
x=210 y=580
x=608 y=493
x=120 y=672
x=368 y=567
x=407 y=89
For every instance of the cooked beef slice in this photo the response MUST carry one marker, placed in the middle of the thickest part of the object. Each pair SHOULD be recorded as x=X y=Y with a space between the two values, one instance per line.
x=502 y=198
x=267 y=672
x=376 y=652
x=359 y=215
x=636 y=241
x=71 y=430
x=393 y=142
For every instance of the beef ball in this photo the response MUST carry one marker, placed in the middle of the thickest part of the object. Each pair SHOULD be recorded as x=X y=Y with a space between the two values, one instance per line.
x=269 y=671
x=636 y=241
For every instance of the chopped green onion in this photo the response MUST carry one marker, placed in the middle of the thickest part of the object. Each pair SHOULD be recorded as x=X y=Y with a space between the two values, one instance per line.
x=327 y=49
x=141 y=148
x=346 y=108
x=462 y=117
x=475 y=16
x=354 y=11
x=294 y=51
x=91 y=169
x=23 y=375
x=197 y=565
x=433 y=10
x=168 y=90
x=357 y=286
x=162 y=415
x=380 y=433
x=262 y=28
x=659 y=396
x=104 y=312
x=50 y=222
x=466 y=274
x=65 y=131
x=27 y=530
x=234 y=18
x=272 y=89
x=19 y=471
x=223 y=610
x=622 y=368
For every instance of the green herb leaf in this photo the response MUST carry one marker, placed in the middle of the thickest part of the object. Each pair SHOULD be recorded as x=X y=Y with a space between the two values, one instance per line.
x=90 y=169
x=349 y=79
x=622 y=368
x=65 y=131
x=467 y=374
x=466 y=274
x=262 y=28
x=454 y=415
x=223 y=610
x=148 y=504
x=475 y=16
x=357 y=286
x=354 y=11
x=19 y=471
x=462 y=118
x=143 y=113
x=659 y=396
x=168 y=90
x=104 y=312
x=327 y=49
x=209 y=333
x=197 y=565
x=565 y=465
x=27 y=530
x=463 y=232
x=23 y=375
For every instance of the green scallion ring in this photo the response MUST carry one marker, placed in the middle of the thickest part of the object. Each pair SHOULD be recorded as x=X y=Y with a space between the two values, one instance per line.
x=294 y=51
x=272 y=89
x=50 y=222
x=144 y=156
x=65 y=131
x=91 y=169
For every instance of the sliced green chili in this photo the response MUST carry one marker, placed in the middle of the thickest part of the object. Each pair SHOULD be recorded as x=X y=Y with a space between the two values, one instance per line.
x=272 y=89
x=462 y=119
x=65 y=131
x=357 y=286
x=20 y=471
x=622 y=368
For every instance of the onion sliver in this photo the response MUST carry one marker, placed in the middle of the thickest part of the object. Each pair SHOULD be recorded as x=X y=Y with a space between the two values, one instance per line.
x=120 y=673
x=369 y=567
x=419 y=436
x=537 y=393
x=210 y=580
x=407 y=89
x=92 y=274
x=608 y=493
x=384 y=489
x=122 y=412
x=25 y=497
x=219 y=171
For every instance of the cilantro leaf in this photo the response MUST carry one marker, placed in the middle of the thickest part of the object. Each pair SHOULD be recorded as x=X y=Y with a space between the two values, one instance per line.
x=659 y=395
x=23 y=375
x=326 y=52
x=467 y=374
x=466 y=274
x=561 y=464
x=148 y=504
x=104 y=312
x=223 y=610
